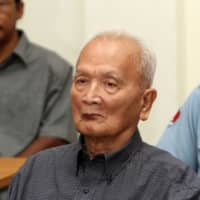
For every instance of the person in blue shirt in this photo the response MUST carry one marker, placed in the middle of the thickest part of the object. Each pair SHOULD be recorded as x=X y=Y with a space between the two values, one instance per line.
x=182 y=135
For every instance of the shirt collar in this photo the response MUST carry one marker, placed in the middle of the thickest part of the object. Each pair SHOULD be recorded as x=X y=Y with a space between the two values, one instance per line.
x=22 y=46
x=114 y=162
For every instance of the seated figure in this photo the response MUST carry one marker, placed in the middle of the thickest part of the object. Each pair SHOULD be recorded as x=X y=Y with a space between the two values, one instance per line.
x=182 y=135
x=35 y=112
x=111 y=91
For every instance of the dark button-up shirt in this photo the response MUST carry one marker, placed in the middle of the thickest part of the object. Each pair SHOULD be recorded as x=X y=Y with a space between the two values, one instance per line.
x=136 y=172
x=34 y=97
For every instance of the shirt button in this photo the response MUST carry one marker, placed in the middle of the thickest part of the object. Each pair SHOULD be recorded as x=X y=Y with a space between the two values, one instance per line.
x=85 y=190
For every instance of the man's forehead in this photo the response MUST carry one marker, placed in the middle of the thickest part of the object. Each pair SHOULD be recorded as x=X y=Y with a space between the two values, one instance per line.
x=108 y=50
x=100 y=70
x=121 y=42
x=102 y=57
x=121 y=73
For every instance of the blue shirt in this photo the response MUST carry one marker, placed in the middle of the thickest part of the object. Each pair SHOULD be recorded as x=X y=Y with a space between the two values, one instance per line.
x=182 y=136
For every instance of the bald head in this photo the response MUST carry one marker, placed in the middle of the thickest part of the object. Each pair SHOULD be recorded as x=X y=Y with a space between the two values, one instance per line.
x=111 y=89
x=134 y=51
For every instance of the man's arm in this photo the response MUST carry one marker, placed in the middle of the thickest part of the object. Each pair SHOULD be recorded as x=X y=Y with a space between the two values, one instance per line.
x=181 y=136
x=41 y=143
x=56 y=125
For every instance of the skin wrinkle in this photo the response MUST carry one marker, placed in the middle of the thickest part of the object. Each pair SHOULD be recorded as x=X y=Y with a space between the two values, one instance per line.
x=108 y=119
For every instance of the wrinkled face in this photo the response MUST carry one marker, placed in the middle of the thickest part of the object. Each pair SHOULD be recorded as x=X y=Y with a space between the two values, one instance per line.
x=106 y=94
x=10 y=12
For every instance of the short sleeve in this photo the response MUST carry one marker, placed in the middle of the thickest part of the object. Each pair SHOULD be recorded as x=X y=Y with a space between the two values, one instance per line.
x=185 y=186
x=182 y=134
x=57 y=118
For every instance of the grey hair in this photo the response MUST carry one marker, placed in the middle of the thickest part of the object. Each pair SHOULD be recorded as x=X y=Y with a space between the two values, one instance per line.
x=147 y=59
x=147 y=64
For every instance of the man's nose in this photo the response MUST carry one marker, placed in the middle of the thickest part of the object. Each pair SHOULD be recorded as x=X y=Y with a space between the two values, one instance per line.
x=93 y=94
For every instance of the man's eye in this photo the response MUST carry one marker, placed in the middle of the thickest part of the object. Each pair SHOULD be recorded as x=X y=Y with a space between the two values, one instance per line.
x=111 y=87
x=80 y=83
x=110 y=84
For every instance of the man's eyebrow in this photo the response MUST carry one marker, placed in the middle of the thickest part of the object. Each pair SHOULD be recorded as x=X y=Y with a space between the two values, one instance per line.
x=79 y=72
x=105 y=74
x=111 y=74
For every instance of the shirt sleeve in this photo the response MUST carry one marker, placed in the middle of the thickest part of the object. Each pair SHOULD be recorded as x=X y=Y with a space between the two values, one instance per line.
x=13 y=191
x=181 y=136
x=57 y=115
x=185 y=186
x=17 y=188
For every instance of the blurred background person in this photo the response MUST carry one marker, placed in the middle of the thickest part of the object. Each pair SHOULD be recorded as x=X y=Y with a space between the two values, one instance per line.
x=34 y=90
x=182 y=135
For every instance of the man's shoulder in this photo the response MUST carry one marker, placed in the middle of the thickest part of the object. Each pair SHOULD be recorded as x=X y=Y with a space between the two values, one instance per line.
x=171 y=175
x=162 y=158
x=166 y=166
x=197 y=90
x=52 y=157
x=49 y=59
x=194 y=96
x=59 y=151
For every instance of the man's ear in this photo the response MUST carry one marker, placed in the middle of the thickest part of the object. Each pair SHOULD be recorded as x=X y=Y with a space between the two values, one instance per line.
x=20 y=9
x=149 y=96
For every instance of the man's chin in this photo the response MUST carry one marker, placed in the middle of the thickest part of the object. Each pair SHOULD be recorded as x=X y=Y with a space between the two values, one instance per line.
x=91 y=131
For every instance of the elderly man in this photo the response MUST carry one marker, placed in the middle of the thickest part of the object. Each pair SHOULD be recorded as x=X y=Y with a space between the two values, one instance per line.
x=111 y=92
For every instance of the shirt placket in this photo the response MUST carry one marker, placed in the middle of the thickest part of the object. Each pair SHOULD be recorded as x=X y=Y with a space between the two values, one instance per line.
x=91 y=175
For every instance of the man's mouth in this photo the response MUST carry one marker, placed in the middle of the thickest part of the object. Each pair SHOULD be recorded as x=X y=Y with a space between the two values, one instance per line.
x=92 y=116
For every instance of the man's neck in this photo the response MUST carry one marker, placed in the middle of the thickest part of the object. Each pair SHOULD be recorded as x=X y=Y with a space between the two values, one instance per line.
x=108 y=144
x=8 y=46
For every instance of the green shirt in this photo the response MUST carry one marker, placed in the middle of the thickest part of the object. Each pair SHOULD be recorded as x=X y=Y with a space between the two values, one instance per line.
x=34 y=97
